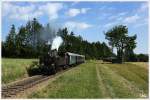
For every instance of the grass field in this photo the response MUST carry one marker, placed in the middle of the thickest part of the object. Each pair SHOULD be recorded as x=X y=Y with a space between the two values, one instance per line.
x=96 y=80
x=13 y=69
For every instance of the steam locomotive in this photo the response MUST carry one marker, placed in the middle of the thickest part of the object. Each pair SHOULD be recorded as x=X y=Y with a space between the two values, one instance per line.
x=53 y=61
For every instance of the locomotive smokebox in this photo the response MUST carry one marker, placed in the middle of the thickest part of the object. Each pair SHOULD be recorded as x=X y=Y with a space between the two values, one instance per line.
x=54 y=53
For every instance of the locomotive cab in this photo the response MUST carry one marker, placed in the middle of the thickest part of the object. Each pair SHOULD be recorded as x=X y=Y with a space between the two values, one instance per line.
x=48 y=62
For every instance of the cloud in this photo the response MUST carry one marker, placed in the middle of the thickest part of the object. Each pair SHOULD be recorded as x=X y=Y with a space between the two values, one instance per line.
x=84 y=10
x=141 y=23
x=74 y=12
x=118 y=16
x=106 y=8
x=5 y=8
x=75 y=3
x=143 y=7
x=116 y=19
x=110 y=24
x=122 y=13
x=28 y=12
x=132 y=19
x=51 y=9
x=20 y=12
x=72 y=25
x=126 y=20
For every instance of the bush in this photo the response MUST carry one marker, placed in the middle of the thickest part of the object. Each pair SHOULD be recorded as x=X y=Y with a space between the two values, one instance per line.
x=142 y=57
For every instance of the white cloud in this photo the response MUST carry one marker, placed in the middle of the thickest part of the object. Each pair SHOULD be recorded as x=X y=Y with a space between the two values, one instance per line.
x=74 y=12
x=51 y=9
x=84 y=10
x=77 y=25
x=122 y=14
x=6 y=8
x=131 y=19
x=143 y=7
x=28 y=12
x=75 y=3
x=141 y=23
x=110 y=24
x=20 y=12
x=106 y=8
x=118 y=16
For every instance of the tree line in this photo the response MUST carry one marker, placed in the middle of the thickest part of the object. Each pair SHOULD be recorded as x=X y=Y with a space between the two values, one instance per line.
x=31 y=41
x=34 y=39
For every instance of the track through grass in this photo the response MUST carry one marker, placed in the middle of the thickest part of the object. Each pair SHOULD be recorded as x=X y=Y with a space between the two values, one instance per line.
x=96 y=80
x=75 y=83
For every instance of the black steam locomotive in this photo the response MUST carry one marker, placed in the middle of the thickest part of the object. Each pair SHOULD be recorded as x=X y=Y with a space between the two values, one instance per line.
x=53 y=61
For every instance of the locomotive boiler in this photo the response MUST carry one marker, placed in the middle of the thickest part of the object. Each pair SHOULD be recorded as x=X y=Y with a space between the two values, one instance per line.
x=53 y=61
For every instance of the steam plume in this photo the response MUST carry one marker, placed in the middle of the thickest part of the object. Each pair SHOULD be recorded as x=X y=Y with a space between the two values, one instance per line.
x=56 y=43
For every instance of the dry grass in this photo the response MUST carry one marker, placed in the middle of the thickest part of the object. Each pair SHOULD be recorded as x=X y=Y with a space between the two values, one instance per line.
x=141 y=64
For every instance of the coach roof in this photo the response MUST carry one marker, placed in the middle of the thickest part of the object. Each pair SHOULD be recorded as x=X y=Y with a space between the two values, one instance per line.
x=73 y=54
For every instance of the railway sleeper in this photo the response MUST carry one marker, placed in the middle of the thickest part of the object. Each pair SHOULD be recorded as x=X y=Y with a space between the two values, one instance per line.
x=12 y=88
x=6 y=96
x=16 y=90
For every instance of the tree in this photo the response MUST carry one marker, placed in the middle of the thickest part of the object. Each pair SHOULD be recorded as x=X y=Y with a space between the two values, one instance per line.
x=118 y=37
x=130 y=45
x=3 y=52
x=11 y=42
x=64 y=34
x=21 y=40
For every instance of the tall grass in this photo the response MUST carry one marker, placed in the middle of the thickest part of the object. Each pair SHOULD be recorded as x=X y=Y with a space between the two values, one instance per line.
x=13 y=69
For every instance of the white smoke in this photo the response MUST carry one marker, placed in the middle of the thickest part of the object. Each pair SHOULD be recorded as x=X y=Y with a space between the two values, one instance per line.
x=57 y=41
x=49 y=42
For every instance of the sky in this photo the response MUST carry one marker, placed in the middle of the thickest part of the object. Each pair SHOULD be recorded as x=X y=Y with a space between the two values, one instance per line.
x=88 y=19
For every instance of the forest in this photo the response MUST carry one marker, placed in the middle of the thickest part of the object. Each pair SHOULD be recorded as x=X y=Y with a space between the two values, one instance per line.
x=34 y=39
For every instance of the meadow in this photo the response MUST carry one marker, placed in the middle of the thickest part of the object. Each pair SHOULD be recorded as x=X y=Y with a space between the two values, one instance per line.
x=14 y=69
x=95 y=79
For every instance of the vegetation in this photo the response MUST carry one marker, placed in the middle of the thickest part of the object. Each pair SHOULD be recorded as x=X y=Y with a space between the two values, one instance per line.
x=99 y=80
x=118 y=37
x=142 y=57
x=34 y=39
x=13 y=69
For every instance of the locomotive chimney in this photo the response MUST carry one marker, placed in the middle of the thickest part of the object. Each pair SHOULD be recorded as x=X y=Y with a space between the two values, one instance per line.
x=54 y=53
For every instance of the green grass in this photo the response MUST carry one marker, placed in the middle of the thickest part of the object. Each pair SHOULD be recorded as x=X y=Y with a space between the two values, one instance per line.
x=73 y=84
x=96 y=80
x=13 y=69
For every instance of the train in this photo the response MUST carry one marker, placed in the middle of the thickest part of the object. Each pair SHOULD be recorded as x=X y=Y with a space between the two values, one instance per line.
x=53 y=61
x=111 y=59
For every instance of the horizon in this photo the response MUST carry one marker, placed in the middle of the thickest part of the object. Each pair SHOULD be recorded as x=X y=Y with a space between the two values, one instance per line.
x=77 y=17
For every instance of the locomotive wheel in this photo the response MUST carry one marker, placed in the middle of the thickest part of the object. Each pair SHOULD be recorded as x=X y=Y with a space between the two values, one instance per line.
x=65 y=67
x=53 y=70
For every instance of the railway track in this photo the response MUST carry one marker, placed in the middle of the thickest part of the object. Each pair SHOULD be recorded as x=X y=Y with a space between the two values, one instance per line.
x=10 y=91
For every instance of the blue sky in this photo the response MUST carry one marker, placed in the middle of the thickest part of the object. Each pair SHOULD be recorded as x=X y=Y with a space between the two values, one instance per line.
x=88 y=19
